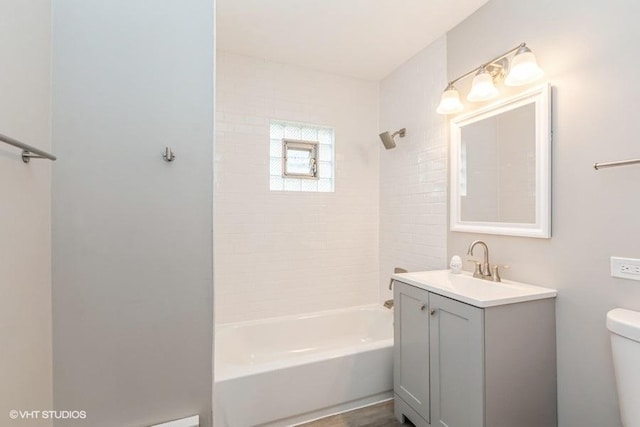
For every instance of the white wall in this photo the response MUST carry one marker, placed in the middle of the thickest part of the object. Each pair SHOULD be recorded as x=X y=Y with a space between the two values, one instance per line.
x=280 y=253
x=413 y=176
x=132 y=242
x=25 y=209
x=587 y=50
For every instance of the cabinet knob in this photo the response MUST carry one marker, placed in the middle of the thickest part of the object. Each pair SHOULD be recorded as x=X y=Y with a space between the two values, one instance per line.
x=423 y=306
x=433 y=312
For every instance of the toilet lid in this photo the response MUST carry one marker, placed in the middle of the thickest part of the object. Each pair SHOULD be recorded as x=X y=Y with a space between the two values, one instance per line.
x=624 y=322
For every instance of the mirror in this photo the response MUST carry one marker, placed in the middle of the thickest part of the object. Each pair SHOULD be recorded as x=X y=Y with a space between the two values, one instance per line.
x=500 y=167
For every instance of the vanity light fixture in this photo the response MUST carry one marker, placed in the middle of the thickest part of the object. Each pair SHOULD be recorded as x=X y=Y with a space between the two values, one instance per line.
x=523 y=70
x=450 y=101
x=482 y=88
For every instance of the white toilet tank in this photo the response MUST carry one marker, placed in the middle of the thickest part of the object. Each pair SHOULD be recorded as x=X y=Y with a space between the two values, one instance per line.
x=625 y=344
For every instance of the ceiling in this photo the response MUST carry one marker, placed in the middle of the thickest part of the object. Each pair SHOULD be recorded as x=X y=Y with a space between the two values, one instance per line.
x=366 y=39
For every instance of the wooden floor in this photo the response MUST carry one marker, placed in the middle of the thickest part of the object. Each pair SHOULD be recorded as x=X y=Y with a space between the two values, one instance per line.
x=380 y=415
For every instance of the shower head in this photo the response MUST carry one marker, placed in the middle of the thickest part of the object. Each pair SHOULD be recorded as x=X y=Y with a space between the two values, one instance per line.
x=387 y=138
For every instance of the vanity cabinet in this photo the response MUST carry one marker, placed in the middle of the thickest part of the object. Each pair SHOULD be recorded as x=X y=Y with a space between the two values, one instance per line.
x=411 y=352
x=457 y=365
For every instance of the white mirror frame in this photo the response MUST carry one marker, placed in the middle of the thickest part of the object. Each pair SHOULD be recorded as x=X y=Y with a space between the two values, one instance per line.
x=541 y=98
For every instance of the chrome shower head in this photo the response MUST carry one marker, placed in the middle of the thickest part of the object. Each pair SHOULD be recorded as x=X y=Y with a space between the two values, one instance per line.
x=387 y=138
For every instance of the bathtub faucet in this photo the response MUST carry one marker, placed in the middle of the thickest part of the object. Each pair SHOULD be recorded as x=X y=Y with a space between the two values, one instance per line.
x=389 y=303
x=396 y=271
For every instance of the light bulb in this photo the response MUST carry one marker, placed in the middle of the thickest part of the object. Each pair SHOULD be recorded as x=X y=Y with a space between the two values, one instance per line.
x=524 y=68
x=450 y=101
x=482 y=88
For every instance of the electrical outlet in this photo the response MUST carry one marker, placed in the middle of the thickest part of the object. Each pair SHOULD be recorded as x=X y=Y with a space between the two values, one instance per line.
x=625 y=268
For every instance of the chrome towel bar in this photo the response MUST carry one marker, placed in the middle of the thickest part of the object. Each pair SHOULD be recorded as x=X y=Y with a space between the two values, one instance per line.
x=597 y=166
x=28 y=152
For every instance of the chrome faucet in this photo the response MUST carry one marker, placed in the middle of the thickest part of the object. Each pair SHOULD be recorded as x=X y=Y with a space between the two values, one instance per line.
x=482 y=270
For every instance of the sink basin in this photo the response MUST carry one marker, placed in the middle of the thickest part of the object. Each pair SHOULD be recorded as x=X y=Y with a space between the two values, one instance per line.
x=477 y=292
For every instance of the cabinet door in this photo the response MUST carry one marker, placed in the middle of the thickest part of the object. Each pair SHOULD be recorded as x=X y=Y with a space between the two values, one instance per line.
x=411 y=347
x=457 y=363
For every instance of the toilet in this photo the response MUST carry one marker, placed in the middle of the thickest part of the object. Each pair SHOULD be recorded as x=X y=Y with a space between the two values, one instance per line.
x=625 y=345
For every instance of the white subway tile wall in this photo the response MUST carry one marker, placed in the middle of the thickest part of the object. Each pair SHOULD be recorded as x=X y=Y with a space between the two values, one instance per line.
x=413 y=176
x=279 y=253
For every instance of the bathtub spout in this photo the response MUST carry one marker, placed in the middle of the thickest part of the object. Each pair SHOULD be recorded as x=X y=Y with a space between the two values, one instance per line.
x=388 y=304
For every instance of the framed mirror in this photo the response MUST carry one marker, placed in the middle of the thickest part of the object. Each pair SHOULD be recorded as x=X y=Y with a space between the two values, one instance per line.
x=501 y=167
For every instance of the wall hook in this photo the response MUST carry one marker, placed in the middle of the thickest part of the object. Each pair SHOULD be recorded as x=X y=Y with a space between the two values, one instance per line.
x=168 y=155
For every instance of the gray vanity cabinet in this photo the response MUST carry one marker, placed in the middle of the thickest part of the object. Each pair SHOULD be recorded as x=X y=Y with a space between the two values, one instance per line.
x=411 y=352
x=457 y=365
x=456 y=337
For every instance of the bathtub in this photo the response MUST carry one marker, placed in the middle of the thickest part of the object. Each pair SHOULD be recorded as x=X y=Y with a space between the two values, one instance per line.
x=288 y=370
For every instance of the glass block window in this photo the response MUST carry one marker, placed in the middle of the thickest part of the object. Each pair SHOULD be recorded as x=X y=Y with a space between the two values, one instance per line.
x=301 y=157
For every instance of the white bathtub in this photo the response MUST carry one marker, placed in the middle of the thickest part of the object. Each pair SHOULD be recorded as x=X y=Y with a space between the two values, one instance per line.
x=288 y=370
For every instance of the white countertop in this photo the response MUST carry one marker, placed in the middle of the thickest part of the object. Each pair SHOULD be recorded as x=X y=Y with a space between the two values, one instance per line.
x=477 y=292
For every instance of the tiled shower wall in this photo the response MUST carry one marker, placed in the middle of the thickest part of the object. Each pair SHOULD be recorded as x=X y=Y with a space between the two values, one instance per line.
x=279 y=253
x=413 y=176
